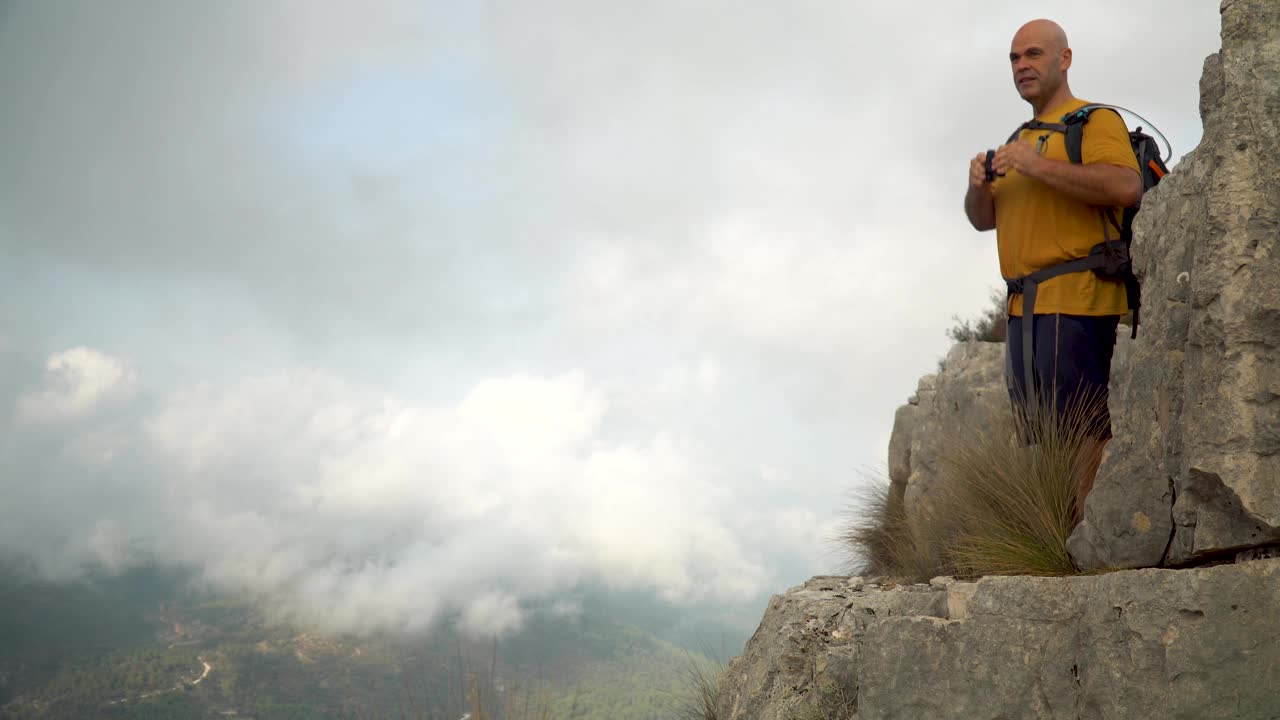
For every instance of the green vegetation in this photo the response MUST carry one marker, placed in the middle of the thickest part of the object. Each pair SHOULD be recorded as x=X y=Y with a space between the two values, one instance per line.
x=999 y=506
x=990 y=326
x=162 y=707
x=701 y=691
x=57 y=661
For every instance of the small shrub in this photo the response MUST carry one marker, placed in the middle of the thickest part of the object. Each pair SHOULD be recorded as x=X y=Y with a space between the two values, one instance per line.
x=990 y=326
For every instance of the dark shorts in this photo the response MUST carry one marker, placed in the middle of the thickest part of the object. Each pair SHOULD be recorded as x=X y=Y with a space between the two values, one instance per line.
x=1071 y=364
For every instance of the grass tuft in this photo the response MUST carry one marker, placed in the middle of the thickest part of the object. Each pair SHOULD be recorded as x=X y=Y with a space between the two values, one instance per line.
x=1004 y=503
x=883 y=541
x=703 y=691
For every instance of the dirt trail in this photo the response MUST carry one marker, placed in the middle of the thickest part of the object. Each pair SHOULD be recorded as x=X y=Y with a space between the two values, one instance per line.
x=205 y=674
x=207 y=668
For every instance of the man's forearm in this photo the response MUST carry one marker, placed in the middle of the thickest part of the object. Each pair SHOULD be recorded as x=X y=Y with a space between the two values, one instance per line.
x=980 y=206
x=1095 y=184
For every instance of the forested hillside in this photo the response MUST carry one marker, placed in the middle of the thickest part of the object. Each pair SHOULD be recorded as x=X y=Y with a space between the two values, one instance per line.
x=142 y=646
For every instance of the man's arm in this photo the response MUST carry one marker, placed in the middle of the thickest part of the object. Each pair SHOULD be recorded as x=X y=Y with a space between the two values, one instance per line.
x=1095 y=183
x=979 y=204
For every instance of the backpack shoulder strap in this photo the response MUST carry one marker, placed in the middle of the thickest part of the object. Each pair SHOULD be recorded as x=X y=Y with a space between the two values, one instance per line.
x=1075 y=133
x=1074 y=122
x=1037 y=125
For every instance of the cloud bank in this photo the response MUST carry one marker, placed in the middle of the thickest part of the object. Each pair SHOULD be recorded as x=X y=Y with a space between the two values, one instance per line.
x=345 y=507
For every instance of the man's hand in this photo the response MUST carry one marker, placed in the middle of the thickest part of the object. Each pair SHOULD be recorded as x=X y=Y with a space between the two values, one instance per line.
x=979 y=204
x=1018 y=156
x=978 y=173
x=1094 y=183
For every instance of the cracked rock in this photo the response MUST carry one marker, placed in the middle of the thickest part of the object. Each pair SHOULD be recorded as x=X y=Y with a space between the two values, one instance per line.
x=1194 y=644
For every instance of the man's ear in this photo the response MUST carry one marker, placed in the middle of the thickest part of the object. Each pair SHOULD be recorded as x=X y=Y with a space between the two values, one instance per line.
x=1066 y=59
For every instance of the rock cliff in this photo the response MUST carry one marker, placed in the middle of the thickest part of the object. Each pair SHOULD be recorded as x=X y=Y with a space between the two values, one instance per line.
x=1194 y=470
x=1189 y=488
x=968 y=390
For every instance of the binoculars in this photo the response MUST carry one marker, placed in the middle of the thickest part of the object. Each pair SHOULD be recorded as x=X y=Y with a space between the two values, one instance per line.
x=991 y=173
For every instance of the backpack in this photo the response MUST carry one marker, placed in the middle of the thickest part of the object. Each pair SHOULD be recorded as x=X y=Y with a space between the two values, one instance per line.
x=1109 y=258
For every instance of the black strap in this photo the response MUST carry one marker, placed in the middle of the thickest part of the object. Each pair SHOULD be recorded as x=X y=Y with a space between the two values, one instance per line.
x=1027 y=286
x=1036 y=125
x=1113 y=261
x=1108 y=252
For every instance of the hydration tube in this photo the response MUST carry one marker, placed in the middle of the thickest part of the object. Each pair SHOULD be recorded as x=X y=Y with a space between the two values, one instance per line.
x=1152 y=128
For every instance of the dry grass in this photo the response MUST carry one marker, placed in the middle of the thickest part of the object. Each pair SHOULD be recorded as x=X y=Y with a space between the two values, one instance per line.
x=1012 y=504
x=703 y=691
x=1000 y=505
x=883 y=541
x=827 y=702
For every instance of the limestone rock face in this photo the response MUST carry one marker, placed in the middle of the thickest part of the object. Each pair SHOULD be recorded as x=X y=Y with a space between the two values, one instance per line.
x=969 y=390
x=1194 y=470
x=1194 y=644
x=811 y=639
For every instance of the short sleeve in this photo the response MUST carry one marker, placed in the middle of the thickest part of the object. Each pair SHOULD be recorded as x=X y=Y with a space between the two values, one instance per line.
x=1106 y=140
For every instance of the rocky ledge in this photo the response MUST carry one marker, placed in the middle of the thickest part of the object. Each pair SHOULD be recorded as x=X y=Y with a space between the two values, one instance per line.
x=1197 y=643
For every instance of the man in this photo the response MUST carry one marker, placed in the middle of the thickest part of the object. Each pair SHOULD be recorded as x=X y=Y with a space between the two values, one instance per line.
x=1045 y=211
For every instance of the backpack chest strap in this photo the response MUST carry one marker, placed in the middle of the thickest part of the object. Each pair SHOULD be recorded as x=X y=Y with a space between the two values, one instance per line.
x=1037 y=125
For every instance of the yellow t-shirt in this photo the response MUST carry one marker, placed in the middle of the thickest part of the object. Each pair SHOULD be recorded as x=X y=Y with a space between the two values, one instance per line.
x=1037 y=226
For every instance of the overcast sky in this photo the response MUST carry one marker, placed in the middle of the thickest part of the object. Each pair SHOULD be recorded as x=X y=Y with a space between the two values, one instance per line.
x=382 y=311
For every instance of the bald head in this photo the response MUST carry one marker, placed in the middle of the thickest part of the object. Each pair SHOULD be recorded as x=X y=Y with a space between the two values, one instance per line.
x=1045 y=33
x=1040 y=57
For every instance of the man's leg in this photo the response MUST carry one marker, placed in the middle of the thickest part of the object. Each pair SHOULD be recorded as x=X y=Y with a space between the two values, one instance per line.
x=1073 y=361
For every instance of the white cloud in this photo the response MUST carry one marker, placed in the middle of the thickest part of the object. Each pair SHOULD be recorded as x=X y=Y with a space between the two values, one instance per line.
x=355 y=510
x=529 y=419
x=108 y=545
x=492 y=613
x=77 y=382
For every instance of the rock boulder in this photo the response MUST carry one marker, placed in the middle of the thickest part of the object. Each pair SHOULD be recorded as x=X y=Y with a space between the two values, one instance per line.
x=968 y=390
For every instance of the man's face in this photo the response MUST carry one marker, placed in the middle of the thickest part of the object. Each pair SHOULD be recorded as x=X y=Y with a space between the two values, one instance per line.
x=1037 y=68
